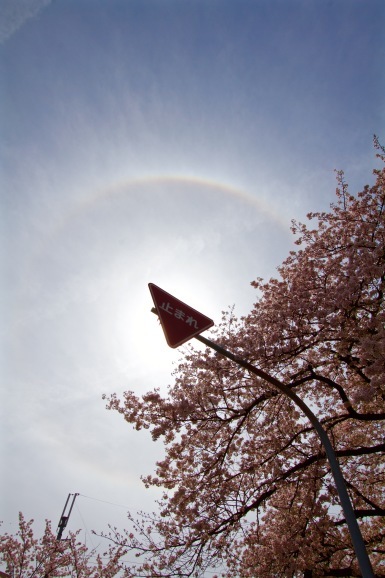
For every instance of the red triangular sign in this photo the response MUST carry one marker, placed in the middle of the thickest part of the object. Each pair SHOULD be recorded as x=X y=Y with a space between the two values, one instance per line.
x=179 y=321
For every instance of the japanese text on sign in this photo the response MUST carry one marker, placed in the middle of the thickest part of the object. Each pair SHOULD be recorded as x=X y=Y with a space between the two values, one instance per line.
x=179 y=314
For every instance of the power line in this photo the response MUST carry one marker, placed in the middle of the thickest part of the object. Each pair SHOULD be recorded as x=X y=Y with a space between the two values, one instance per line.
x=87 y=532
x=104 y=501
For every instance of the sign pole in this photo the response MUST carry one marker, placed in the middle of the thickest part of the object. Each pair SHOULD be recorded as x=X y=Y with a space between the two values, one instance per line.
x=180 y=322
x=355 y=532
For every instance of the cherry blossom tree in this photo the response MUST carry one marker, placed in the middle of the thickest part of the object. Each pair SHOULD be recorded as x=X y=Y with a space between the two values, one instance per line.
x=247 y=486
x=24 y=556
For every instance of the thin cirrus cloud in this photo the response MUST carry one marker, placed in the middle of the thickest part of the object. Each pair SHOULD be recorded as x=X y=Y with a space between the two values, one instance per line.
x=15 y=13
x=153 y=141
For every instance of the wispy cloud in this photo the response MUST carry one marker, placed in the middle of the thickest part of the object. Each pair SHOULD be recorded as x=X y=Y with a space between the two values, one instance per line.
x=14 y=14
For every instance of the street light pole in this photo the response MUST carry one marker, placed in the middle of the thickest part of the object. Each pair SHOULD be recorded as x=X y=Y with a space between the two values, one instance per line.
x=355 y=533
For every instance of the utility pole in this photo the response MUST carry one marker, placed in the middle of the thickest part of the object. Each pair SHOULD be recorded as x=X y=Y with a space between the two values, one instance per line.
x=65 y=515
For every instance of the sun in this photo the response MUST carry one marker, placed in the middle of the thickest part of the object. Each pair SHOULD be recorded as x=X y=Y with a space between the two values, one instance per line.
x=139 y=348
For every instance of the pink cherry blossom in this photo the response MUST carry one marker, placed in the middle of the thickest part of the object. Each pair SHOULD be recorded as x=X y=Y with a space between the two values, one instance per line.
x=247 y=487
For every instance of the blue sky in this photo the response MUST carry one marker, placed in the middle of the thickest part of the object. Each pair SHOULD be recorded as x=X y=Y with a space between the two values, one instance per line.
x=164 y=141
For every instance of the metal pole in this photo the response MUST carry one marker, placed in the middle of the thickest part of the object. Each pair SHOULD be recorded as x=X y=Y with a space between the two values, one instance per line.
x=355 y=532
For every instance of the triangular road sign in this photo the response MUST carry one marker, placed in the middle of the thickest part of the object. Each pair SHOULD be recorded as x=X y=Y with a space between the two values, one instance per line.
x=179 y=321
